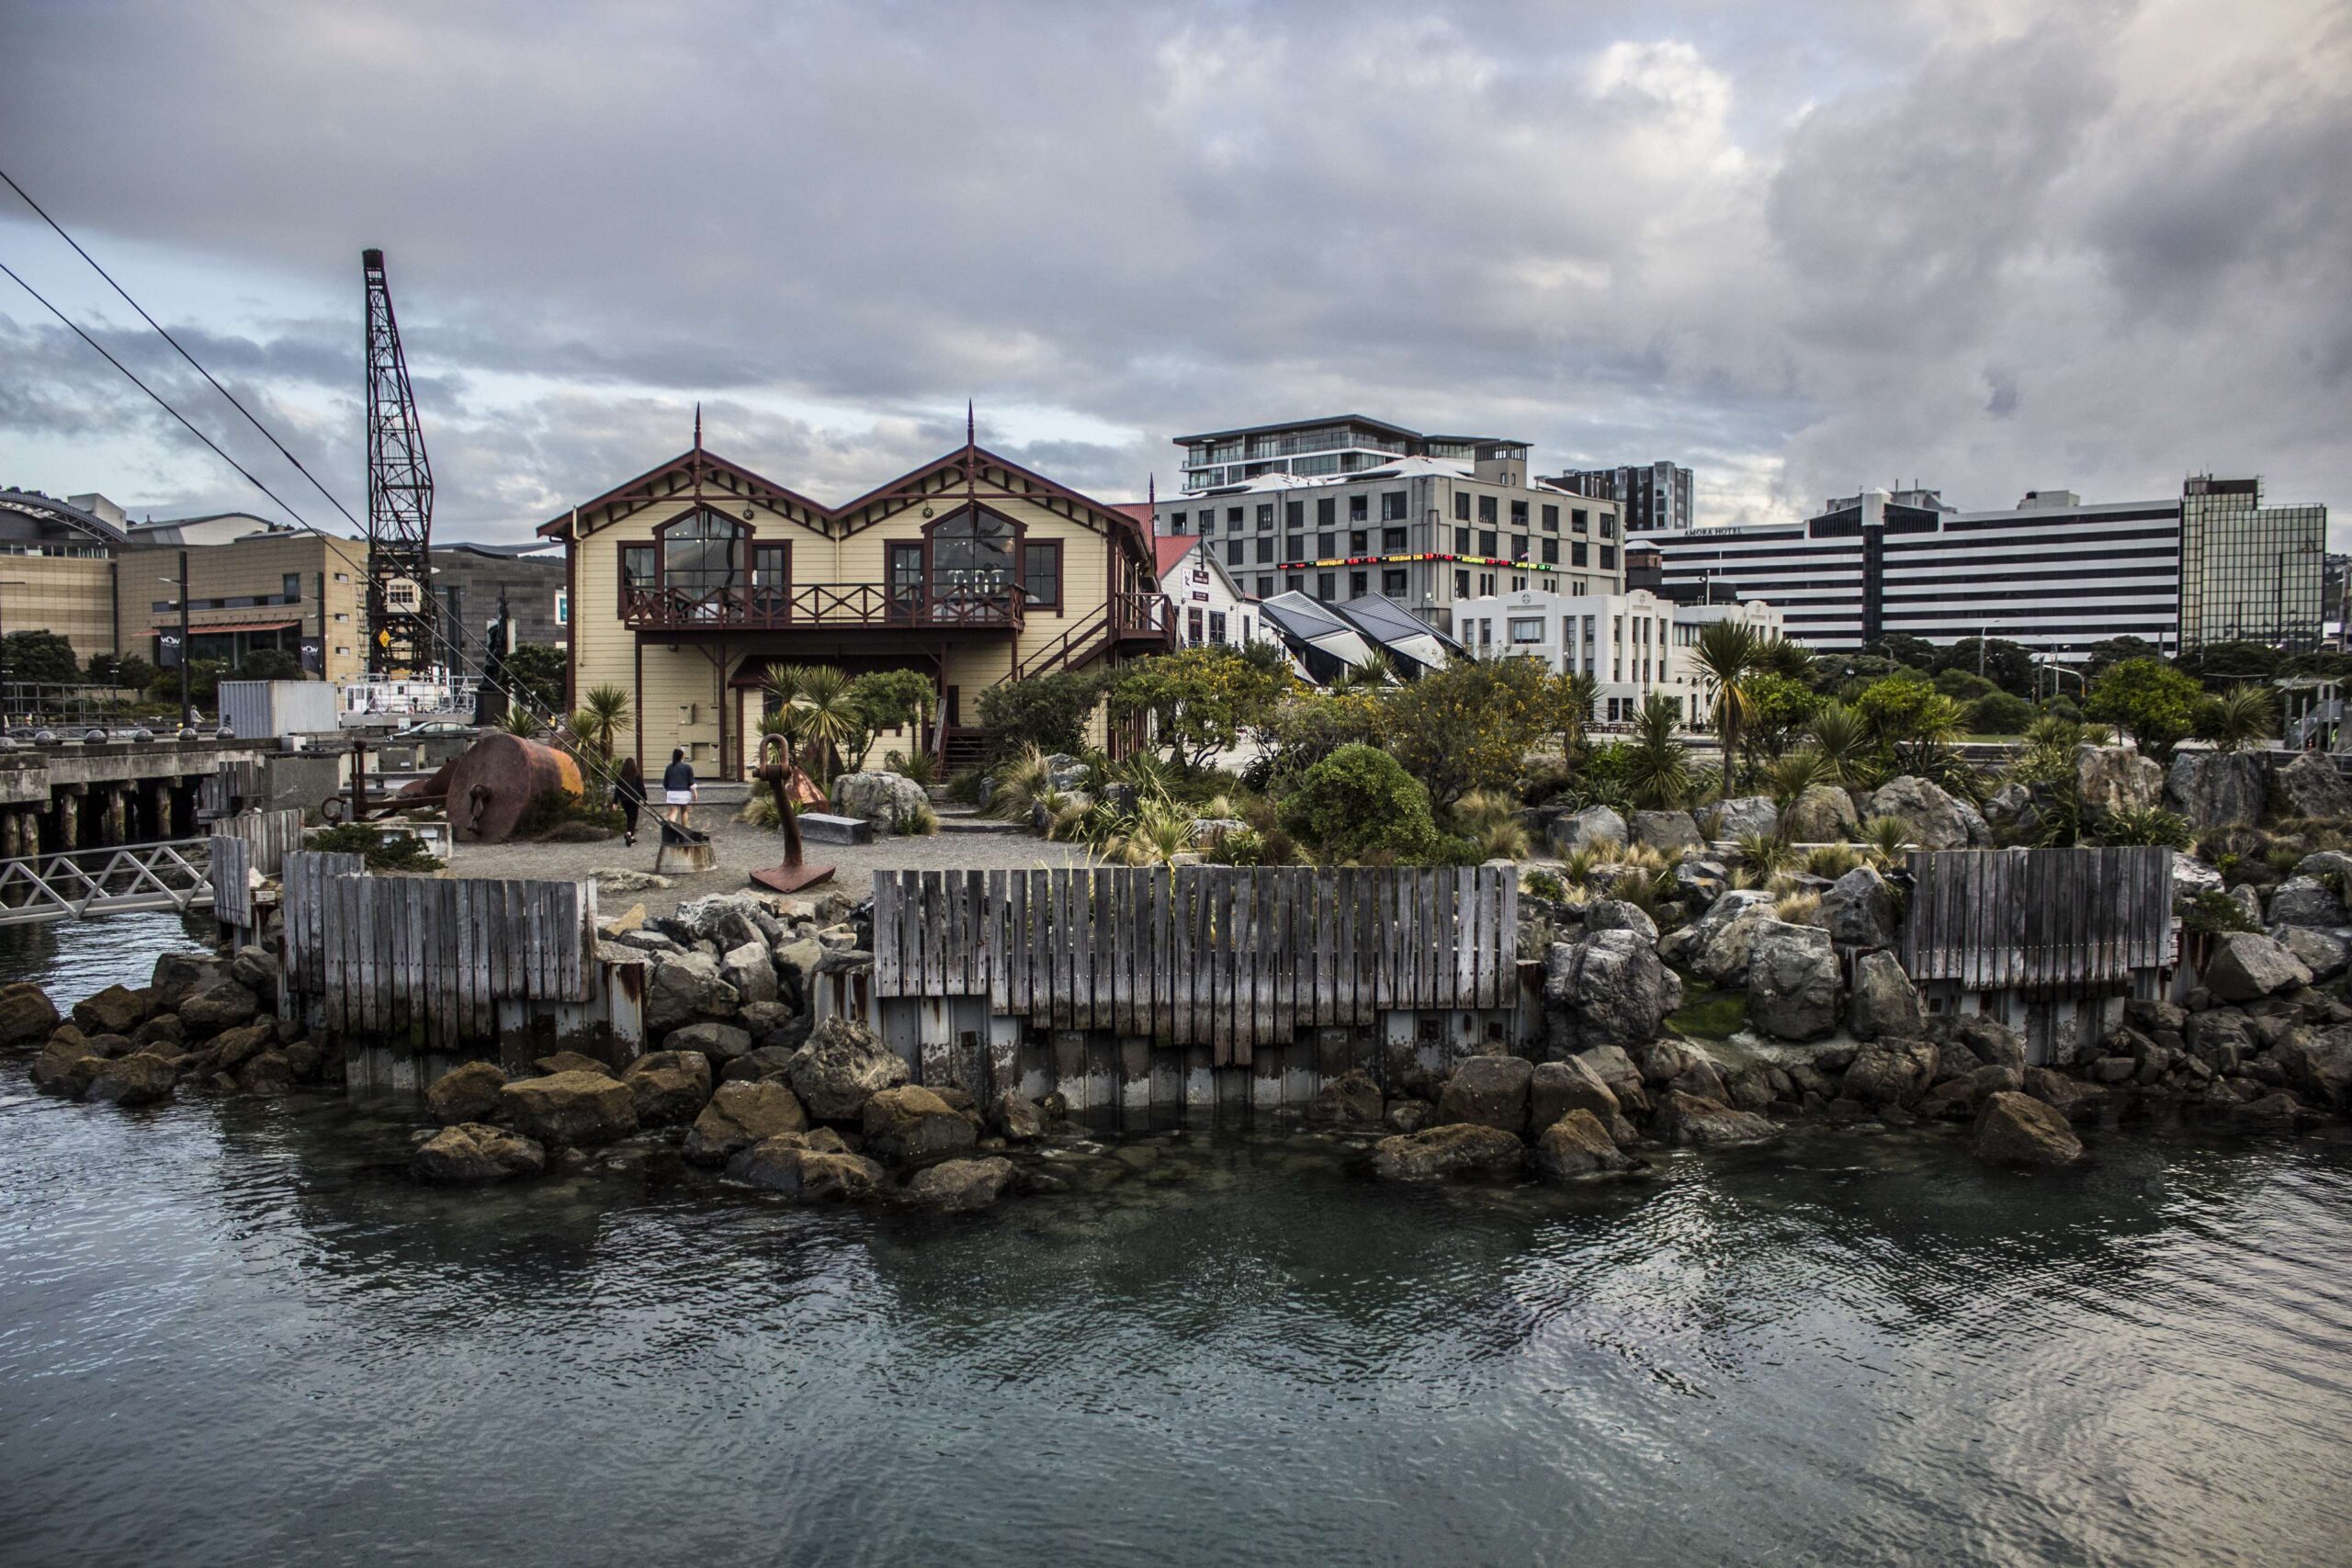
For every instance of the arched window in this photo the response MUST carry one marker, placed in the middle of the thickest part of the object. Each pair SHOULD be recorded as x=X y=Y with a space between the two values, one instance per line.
x=702 y=558
x=971 y=558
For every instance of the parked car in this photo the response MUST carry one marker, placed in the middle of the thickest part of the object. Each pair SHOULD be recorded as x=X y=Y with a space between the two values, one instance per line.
x=435 y=729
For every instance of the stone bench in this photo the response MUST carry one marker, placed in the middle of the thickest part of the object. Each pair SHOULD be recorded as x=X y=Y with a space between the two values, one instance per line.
x=820 y=827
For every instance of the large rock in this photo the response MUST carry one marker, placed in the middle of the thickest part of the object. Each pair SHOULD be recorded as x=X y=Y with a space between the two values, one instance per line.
x=669 y=1089
x=570 y=1109
x=1725 y=958
x=1018 y=1119
x=1823 y=814
x=1583 y=829
x=2298 y=901
x=1670 y=832
x=140 y=1078
x=742 y=1114
x=1613 y=1066
x=1578 y=1145
x=1490 y=1091
x=724 y=920
x=2325 y=955
x=257 y=970
x=750 y=969
x=233 y=1048
x=25 y=1013
x=1694 y=1122
x=2016 y=1129
x=1885 y=1001
x=67 y=1064
x=1793 y=982
x=1858 y=910
x=1741 y=815
x=2320 y=1068
x=224 y=1004
x=959 y=1186
x=118 y=1010
x=1685 y=946
x=880 y=798
x=1931 y=819
x=473 y=1151
x=1616 y=915
x=2246 y=967
x=468 y=1092
x=1891 y=1071
x=843 y=1065
x=912 y=1126
x=719 y=1043
x=797 y=963
x=2108 y=779
x=1607 y=988
x=1349 y=1099
x=1555 y=1089
x=686 y=986
x=791 y=1164
x=2311 y=786
x=2218 y=789
x=179 y=976
x=1460 y=1148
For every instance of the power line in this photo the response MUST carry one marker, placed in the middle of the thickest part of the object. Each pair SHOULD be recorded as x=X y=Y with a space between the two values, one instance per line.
x=184 y=353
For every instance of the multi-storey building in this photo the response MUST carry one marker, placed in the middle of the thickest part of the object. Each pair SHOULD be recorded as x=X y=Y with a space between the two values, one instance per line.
x=1652 y=498
x=1633 y=644
x=287 y=589
x=1313 y=448
x=57 y=568
x=2249 y=573
x=1424 y=530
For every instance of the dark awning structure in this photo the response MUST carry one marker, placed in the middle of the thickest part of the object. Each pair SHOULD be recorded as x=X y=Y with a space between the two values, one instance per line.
x=1413 y=645
x=1322 y=644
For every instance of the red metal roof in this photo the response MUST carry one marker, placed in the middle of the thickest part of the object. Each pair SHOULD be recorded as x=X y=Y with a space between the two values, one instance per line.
x=1171 y=548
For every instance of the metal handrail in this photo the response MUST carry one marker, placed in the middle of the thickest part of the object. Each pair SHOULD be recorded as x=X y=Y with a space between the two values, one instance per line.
x=822 y=605
x=173 y=874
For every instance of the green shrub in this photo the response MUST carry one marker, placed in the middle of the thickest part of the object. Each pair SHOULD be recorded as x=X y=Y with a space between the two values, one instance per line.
x=1358 y=802
x=1048 y=712
x=399 y=852
x=2146 y=825
x=1543 y=884
x=1998 y=713
x=2212 y=910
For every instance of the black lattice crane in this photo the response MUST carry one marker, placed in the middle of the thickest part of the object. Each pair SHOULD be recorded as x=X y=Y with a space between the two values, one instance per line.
x=400 y=496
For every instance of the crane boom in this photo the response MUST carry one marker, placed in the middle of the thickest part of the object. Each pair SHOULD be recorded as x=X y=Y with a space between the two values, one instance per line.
x=400 y=495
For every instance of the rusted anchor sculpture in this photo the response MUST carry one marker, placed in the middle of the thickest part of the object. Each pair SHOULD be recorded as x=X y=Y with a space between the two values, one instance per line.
x=791 y=788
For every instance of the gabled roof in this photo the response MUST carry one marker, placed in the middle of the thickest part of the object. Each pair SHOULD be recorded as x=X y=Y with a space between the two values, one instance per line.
x=1170 y=548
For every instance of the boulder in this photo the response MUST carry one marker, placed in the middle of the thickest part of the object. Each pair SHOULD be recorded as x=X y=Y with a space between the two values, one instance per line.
x=1704 y=1124
x=1578 y=1145
x=1616 y=915
x=1461 y=1148
x=179 y=976
x=163 y=1030
x=224 y=1004
x=570 y=1109
x=1349 y=1099
x=1699 y=882
x=880 y=798
x=267 y=1072
x=66 y=1065
x=1986 y=1038
x=761 y=1063
x=686 y=987
x=1793 y=982
x=912 y=1126
x=742 y=1114
x=2311 y=786
x=257 y=970
x=1017 y=1118
x=960 y=1186
x=1691 y=945
x=25 y=1013
x=2246 y=967
x=796 y=969
x=1608 y=988
x=571 y=1062
x=1859 y=910
x=1891 y=1071
x=750 y=970
x=2298 y=901
x=1583 y=829
x=1931 y=819
x=789 y=1164
x=1613 y=1067
x=2320 y=1068
x=724 y=920
x=473 y=1151
x=1741 y=815
x=140 y=1078
x=1555 y=1088
x=841 y=1066
x=1823 y=814
x=118 y=1010
x=1668 y=832
x=669 y=1089
x=2016 y=1129
x=717 y=1043
x=468 y=1092
x=233 y=1048
x=1884 y=1001
x=2218 y=789
x=1489 y=1091
x=2075 y=1100
x=2108 y=779
x=2325 y=955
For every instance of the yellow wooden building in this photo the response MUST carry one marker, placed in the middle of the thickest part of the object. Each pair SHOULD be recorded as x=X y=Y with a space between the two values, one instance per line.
x=688 y=582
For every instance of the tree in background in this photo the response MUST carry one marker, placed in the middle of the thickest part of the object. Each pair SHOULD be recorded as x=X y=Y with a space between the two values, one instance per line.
x=1779 y=707
x=1577 y=693
x=2006 y=664
x=1999 y=713
x=2150 y=701
x=1201 y=699
x=1048 y=712
x=897 y=699
x=1471 y=725
x=1914 y=722
x=128 y=672
x=1358 y=802
x=1656 y=763
x=271 y=664
x=605 y=712
x=536 y=671
x=41 y=656
x=2115 y=650
x=2218 y=662
x=2238 y=716
x=1725 y=653
x=1903 y=648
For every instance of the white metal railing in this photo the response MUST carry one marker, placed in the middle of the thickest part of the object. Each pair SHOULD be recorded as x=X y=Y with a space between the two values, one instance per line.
x=172 y=875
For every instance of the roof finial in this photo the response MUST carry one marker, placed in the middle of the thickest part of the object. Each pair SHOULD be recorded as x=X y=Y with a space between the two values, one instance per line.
x=971 y=425
x=697 y=425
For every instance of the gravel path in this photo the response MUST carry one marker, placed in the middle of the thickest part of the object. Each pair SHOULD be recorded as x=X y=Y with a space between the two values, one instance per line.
x=741 y=849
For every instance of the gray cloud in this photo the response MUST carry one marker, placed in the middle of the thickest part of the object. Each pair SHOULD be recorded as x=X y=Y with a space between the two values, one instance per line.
x=1991 y=244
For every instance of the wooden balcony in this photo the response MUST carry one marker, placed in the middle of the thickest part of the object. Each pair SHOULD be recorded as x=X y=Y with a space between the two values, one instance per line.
x=821 y=606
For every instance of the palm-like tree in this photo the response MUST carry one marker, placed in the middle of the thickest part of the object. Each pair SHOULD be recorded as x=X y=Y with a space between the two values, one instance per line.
x=1578 y=691
x=1841 y=737
x=817 y=710
x=1657 y=765
x=520 y=720
x=603 y=713
x=2242 y=714
x=1726 y=653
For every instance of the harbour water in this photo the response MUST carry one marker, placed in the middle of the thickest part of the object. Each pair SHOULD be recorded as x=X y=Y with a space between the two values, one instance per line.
x=235 y=1330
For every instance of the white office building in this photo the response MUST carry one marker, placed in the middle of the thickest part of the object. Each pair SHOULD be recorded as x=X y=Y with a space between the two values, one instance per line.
x=1633 y=644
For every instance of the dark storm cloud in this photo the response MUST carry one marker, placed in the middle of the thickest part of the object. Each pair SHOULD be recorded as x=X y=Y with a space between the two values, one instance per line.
x=1803 y=250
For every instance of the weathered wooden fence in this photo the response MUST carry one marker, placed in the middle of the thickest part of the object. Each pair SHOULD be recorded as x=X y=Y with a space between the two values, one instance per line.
x=452 y=966
x=2051 y=941
x=240 y=846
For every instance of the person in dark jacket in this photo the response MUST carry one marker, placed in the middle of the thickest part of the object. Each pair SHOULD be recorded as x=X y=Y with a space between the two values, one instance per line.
x=629 y=794
x=678 y=787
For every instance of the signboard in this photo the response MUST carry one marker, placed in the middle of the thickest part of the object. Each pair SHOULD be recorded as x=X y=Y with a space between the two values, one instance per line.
x=167 y=650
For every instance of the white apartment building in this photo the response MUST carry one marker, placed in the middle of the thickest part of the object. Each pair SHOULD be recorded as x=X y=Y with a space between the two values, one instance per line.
x=1633 y=644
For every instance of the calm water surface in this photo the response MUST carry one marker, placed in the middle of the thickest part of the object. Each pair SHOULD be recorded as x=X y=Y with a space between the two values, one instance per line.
x=234 y=1331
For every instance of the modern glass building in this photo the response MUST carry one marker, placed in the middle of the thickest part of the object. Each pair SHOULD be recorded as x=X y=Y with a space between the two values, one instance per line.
x=2249 y=573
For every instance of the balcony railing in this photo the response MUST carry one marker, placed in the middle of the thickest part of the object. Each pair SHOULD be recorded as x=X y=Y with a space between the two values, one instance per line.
x=821 y=606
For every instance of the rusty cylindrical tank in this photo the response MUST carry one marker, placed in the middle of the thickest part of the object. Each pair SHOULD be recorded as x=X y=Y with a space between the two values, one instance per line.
x=494 y=784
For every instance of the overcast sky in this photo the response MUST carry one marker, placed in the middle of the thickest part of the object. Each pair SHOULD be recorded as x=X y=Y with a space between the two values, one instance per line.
x=1801 y=247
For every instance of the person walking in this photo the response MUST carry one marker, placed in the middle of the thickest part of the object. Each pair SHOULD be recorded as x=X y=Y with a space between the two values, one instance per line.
x=629 y=794
x=678 y=787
